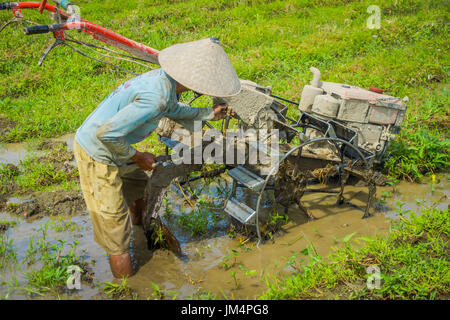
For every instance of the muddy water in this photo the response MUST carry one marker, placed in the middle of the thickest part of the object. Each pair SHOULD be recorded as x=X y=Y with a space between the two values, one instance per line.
x=15 y=152
x=200 y=268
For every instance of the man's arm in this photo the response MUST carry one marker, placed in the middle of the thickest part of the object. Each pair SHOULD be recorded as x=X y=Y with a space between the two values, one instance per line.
x=185 y=112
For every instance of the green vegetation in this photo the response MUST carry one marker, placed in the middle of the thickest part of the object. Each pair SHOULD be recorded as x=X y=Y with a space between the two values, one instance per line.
x=45 y=265
x=120 y=290
x=270 y=42
x=413 y=260
x=63 y=224
x=44 y=169
x=199 y=219
x=8 y=254
x=273 y=43
x=54 y=261
x=160 y=294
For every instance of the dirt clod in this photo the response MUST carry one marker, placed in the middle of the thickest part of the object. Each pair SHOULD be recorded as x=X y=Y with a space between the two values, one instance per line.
x=6 y=125
x=3 y=227
x=50 y=203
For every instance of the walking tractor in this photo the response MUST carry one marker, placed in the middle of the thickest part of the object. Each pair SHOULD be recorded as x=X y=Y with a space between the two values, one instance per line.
x=340 y=135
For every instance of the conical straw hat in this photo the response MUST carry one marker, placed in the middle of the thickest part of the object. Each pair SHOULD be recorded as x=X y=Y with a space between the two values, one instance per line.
x=202 y=66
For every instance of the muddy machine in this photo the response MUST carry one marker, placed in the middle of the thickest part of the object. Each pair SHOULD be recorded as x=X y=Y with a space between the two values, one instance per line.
x=335 y=133
x=342 y=131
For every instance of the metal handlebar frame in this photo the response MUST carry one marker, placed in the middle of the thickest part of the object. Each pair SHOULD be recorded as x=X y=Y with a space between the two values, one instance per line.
x=102 y=34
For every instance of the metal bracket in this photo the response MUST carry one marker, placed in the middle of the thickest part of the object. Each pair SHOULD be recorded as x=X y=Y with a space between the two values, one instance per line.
x=54 y=44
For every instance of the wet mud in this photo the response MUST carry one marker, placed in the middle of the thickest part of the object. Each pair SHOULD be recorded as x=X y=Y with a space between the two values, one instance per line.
x=6 y=125
x=47 y=203
x=219 y=261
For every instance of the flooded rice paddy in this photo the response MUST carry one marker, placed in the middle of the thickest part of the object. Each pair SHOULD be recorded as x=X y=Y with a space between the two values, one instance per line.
x=219 y=262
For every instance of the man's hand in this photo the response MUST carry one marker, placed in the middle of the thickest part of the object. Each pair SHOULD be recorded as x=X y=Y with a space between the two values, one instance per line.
x=144 y=160
x=221 y=111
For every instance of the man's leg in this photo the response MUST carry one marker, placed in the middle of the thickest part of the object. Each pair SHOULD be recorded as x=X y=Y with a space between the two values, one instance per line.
x=101 y=186
x=121 y=265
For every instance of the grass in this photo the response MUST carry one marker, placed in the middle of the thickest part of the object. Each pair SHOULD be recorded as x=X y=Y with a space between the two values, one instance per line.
x=270 y=42
x=199 y=219
x=8 y=254
x=120 y=290
x=413 y=260
x=47 y=263
x=55 y=259
x=36 y=172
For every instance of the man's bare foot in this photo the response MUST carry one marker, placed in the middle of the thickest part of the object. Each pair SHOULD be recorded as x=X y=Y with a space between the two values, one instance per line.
x=121 y=265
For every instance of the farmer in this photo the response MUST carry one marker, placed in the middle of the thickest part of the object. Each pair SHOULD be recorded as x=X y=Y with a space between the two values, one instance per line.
x=113 y=189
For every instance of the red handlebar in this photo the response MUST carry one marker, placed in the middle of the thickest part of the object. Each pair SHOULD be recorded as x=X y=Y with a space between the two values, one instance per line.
x=101 y=34
x=42 y=6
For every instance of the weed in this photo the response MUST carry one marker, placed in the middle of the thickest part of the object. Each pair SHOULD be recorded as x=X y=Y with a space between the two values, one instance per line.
x=55 y=259
x=226 y=262
x=167 y=207
x=293 y=262
x=246 y=271
x=8 y=255
x=30 y=257
x=61 y=224
x=6 y=224
x=198 y=220
x=160 y=294
x=236 y=280
x=119 y=291
x=417 y=151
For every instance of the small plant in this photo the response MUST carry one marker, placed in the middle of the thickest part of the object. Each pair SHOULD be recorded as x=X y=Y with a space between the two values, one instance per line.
x=293 y=262
x=119 y=291
x=167 y=207
x=52 y=274
x=400 y=210
x=8 y=174
x=235 y=279
x=385 y=195
x=30 y=257
x=246 y=271
x=160 y=294
x=226 y=263
x=8 y=255
x=61 y=224
x=198 y=220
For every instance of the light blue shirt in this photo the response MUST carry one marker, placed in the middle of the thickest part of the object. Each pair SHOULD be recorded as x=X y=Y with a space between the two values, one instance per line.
x=130 y=114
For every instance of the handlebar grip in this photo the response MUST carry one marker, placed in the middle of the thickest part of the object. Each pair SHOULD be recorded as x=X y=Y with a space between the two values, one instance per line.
x=6 y=5
x=37 y=29
x=43 y=28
